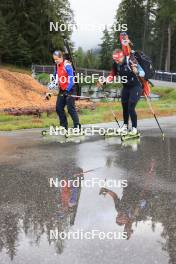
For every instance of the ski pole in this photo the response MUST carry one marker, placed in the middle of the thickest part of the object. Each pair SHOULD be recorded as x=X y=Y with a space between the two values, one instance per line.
x=151 y=109
x=114 y=115
x=80 y=97
x=48 y=96
x=84 y=172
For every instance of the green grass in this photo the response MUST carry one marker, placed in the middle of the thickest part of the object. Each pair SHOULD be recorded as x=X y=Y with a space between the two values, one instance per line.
x=163 y=107
x=43 y=77
x=165 y=93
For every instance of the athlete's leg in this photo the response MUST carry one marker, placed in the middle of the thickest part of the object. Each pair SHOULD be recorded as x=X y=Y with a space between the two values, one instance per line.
x=135 y=93
x=133 y=114
x=125 y=99
x=70 y=101
x=60 y=104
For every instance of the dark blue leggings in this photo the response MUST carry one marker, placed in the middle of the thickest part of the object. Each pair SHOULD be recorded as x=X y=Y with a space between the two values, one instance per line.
x=129 y=111
x=130 y=98
x=68 y=101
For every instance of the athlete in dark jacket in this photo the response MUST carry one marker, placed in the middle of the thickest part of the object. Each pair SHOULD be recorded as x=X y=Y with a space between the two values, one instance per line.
x=132 y=88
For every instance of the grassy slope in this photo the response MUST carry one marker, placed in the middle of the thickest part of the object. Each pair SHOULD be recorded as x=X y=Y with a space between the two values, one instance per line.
x=164 y=107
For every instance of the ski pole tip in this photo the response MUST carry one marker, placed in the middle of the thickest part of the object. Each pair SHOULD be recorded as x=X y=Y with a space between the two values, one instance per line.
x=163 y=137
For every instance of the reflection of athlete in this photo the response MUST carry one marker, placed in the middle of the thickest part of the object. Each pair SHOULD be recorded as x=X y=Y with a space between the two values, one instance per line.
x=69 y=196
x=128 y=209
x=133 y=204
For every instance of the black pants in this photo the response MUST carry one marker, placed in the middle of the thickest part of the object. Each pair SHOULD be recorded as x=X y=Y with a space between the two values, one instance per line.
x=130 y=97
x=68 y=101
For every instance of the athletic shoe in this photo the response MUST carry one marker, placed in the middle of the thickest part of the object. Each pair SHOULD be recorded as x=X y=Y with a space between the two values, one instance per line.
x=123 y=130
x=133 y=132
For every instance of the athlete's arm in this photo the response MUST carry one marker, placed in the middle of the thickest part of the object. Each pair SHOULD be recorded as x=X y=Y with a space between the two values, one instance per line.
x=55 y=71
x=114 y=196
x=112 y=74
x=70 y=73
x=102 y=80
x=141 y=72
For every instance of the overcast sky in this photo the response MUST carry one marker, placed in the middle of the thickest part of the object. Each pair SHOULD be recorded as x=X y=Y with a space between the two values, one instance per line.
x=94 y=12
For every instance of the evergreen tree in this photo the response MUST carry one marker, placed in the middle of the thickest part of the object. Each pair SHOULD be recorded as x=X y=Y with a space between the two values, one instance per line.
x=80 y=56
x=89 y=59
x=3 y=38
x=106 y=50
x=152 y=28
x=27 y=23
x=131 y=12
x=167 y=16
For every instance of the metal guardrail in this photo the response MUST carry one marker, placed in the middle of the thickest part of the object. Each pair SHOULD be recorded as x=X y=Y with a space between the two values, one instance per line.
x=165 y=76
x=36 y=69
x=159 y=75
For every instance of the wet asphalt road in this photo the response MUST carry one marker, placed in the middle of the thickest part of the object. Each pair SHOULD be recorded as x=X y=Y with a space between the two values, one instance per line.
x=164 y=83
x=145 y=210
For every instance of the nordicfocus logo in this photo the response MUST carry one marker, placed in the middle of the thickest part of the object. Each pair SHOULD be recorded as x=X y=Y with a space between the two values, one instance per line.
x=86 y=131
x=57 y=27
x=87 y=235
x=80 y=181
x=80 y=78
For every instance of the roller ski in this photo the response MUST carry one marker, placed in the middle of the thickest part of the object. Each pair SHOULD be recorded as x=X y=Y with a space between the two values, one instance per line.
x=75 y=133
x=62 y=135
x=111 y=133
x=123 y=130
x=60 y=131
x=133 y=134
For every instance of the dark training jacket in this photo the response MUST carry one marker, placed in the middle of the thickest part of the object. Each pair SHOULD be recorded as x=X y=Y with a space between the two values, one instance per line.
x=122 y=71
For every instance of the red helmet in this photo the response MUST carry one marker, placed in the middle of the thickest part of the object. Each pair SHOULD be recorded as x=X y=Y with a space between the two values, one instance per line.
x=117 y=55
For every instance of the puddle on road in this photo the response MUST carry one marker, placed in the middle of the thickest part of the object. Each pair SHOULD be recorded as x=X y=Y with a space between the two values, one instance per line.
x=145 y=210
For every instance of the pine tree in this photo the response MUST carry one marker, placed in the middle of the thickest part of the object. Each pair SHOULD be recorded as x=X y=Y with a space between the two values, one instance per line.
x=167 y=14
x=106 y=50
x=80 y=55
x=28 y=25
x=3 y=38
x=131 y=12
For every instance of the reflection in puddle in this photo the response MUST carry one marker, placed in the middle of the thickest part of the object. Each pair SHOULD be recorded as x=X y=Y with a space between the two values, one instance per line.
x=30 y=208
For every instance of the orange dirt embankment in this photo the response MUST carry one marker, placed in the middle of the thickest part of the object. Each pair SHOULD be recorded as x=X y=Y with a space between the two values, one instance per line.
x=21 y=91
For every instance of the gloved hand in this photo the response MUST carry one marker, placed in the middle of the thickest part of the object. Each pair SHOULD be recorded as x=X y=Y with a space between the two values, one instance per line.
x=66 y=93
x=52 y=85
x=47 y=96
x=100 y=82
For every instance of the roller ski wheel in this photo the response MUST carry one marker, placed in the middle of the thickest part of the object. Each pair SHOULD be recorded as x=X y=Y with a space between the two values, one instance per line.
x=108 y=135
x=129 y=137
x=67 y=135
x=44 y=133
x=118 y=133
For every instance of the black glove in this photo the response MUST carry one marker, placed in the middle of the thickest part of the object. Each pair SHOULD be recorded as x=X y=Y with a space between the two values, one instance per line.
x=48 y=96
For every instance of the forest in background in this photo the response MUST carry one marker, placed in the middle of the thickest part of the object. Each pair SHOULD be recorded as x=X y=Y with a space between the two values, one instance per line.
x=25 y=37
